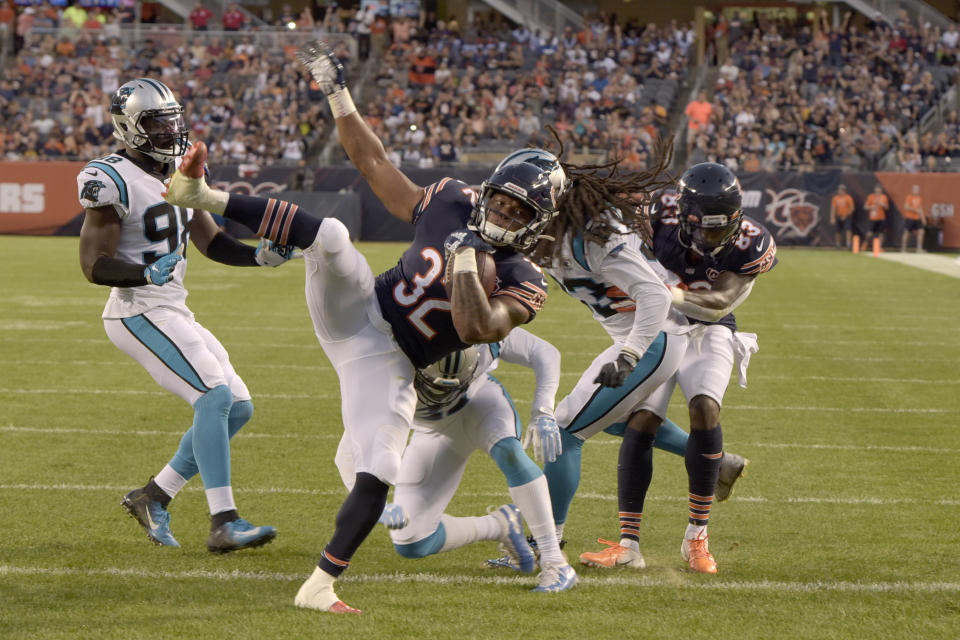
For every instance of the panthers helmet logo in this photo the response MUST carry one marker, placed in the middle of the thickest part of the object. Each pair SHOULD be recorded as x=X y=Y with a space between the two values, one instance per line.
x=119 y=100
x=91 y=190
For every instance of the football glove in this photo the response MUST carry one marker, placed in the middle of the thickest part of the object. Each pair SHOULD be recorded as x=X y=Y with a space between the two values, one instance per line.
x=271 y=254
x=465 y=239
x=161 y=271
x=543 y=434
x=393 y=516
x=614 y=374
x=324 y=65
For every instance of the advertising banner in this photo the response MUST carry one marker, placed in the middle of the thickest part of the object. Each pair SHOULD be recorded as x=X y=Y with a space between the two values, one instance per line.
x=40 y=198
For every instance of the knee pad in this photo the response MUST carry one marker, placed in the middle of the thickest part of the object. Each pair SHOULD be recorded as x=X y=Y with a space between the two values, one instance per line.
x=216 y=400
x=240 y=414
x=333 y=235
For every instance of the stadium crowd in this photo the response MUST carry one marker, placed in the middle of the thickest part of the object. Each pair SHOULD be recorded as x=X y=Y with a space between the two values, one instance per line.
x=789 y=95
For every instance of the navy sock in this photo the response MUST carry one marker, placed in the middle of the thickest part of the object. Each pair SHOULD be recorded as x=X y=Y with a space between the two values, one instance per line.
x=634 y=472
x=357 y=517
x=274 y=219
x=704 y=451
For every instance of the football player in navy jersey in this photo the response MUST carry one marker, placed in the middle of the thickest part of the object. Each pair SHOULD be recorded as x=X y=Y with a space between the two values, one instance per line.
x=711 y=255
x=377 y=331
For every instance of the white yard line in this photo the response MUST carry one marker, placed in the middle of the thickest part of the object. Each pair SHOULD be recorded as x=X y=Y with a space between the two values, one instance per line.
x=604 y=497
x=595 y=442
x=323 y=396
x=946 y=265
x=469 y=580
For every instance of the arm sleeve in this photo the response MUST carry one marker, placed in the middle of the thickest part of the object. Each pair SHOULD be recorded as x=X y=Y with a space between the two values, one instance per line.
x=523 y=348
x=114 y=272
x=228 y=250
x=629 y=271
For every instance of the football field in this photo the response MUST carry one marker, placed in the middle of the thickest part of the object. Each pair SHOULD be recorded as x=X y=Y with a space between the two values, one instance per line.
x=844 y=527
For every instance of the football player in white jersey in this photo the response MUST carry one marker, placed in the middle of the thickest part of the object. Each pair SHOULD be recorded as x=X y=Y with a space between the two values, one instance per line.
x=462 y=408
x=133 y=241
x=599 y=260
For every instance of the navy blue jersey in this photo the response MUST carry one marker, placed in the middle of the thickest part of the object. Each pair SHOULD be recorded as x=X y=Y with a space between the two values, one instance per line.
x=754 y=252
x=412 y=296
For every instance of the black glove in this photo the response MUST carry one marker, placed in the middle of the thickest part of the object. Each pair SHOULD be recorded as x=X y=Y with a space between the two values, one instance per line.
x=463 y=239
x=614 y=374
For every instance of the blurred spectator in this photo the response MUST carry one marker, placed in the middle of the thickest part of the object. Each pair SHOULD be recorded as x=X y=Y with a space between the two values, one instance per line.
x=877 y=204
x=914 y=219
x=698 y=115
x=200 y=17
x=233 y=18
x=841 y=216
x=74 y=15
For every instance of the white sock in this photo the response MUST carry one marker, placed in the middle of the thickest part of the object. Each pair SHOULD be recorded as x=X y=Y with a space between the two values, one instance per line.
x=695 y=531
x=170 y=481
x=220 y=499
x=533 y=500
x=630 y=543
x=559 y=528
x=463 y=531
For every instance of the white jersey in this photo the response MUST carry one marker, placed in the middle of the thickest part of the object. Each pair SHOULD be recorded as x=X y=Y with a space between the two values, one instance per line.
x=519 y=347
x=609 y=278
x=150 y=228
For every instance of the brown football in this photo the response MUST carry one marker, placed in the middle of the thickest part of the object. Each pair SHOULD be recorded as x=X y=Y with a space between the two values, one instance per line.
x=486 y=271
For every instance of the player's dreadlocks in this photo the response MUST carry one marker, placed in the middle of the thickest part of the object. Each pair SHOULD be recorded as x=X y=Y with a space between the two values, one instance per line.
x=594 y=191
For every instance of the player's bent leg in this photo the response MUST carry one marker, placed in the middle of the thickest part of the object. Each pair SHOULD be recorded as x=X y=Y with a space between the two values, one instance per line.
x=339 y=283
x=528 y=488
x=563 y=477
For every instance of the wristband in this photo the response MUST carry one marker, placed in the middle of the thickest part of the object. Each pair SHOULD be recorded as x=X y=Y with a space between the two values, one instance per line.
x=465 y=261
x=341 y=104
x=677 y=294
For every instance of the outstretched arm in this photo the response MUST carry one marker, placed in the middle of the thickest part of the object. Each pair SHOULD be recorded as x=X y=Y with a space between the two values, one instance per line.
x=365 y=150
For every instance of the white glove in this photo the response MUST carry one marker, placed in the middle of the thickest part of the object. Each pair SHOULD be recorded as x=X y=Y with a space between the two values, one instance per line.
x=393 y=516
x=544 y=434
x=271 y=254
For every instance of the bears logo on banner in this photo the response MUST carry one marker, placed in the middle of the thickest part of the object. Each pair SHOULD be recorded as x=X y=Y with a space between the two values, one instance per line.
x=792 y=215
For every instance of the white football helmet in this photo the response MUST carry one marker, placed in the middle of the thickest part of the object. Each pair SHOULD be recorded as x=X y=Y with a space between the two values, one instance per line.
x=147 y=117
x=444 y=381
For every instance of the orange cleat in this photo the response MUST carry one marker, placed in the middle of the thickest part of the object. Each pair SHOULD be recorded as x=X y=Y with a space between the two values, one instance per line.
x=614 y=555
x=193 y=160
x=342 y=607
x=696 y=553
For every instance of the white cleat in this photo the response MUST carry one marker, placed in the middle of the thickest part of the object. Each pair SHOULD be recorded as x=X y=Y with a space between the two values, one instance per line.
x=555 y=578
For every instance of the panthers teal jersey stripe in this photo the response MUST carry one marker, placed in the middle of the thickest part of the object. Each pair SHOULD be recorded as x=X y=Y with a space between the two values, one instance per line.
x=115 y=176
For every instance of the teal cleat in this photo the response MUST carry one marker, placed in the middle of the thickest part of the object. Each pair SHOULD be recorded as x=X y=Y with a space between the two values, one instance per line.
x=152 y=517
x=239 y=534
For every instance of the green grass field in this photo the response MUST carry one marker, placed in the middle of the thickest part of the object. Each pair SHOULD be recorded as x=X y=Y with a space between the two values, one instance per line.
x=845 y=526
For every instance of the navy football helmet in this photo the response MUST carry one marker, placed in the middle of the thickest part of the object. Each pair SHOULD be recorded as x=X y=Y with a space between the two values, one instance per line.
x=536 y=179
x=444 y=381
x=709 y=208
x=147 y=117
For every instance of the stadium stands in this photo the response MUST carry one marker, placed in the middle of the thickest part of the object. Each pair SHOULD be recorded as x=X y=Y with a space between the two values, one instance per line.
x=784 y=95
